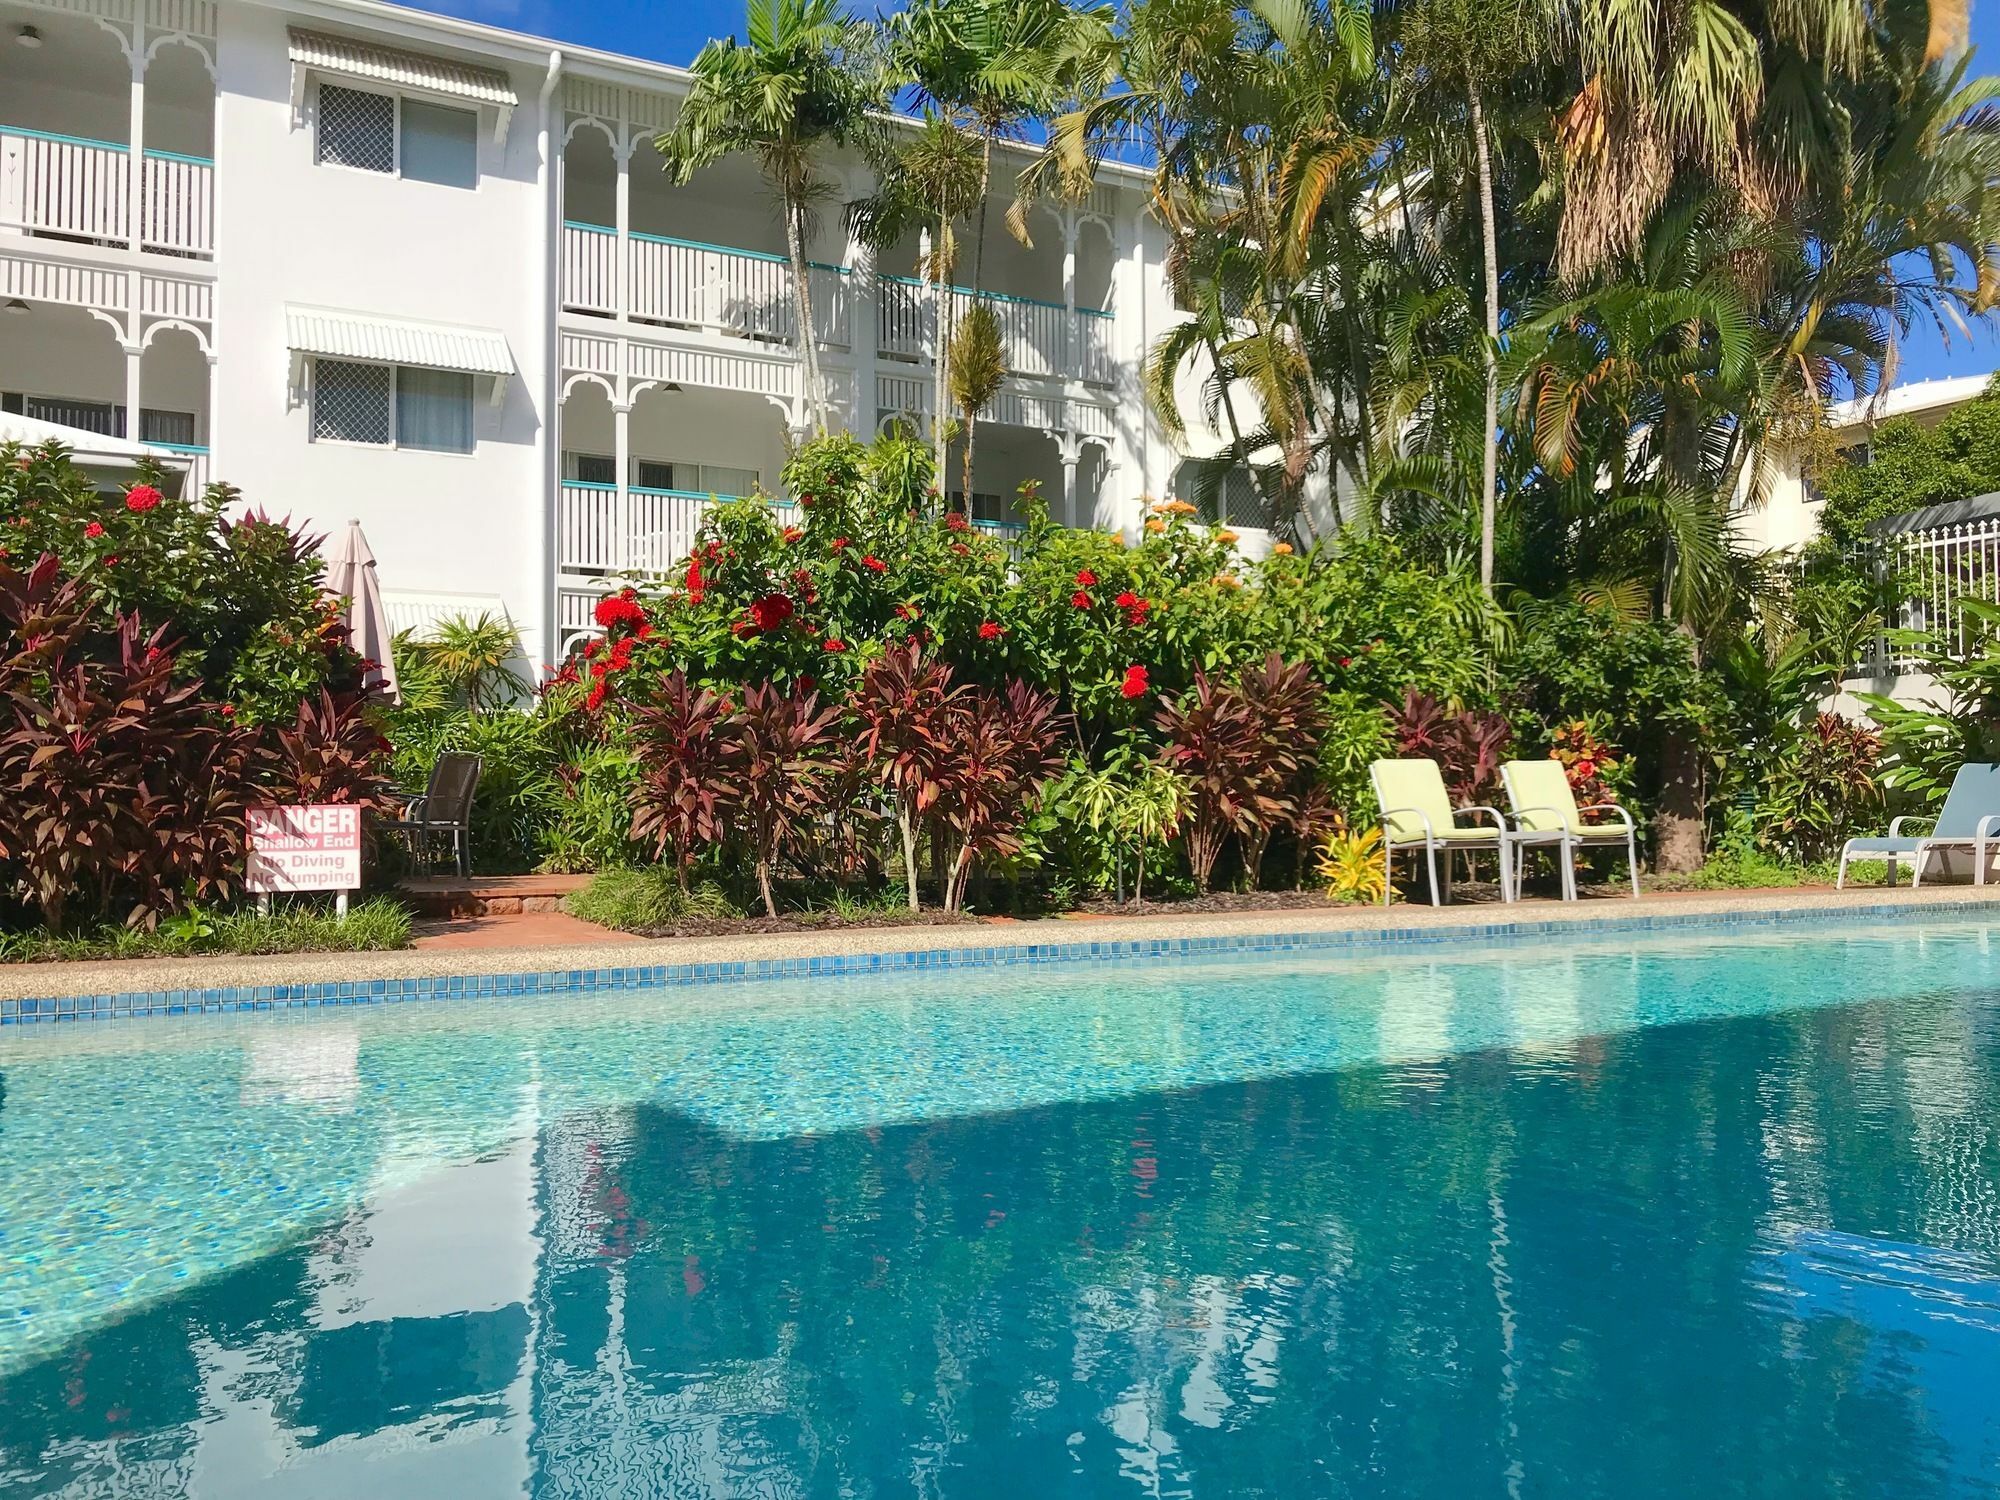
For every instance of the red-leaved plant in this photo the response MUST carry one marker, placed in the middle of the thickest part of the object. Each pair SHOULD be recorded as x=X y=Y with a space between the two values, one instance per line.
x=691 y=776
x=785 y=748
x=1468 y=744
x=1006 y=751
x=909 y=711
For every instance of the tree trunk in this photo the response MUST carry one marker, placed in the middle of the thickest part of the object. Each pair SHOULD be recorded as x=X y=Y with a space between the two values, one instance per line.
x=909 y=832
x=1678 y=824
x=802 y=298
x=764 y=886
x=971 y=426
x=1489 y=456
x=941 y=353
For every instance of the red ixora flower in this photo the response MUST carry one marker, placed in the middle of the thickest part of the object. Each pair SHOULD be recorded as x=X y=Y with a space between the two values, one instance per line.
x=1080 y=599
x=960 y=548
x=840 y=544
x=614 y=610
x=694 y=578
x=142 y=498
x=834 y=644
x=94 y=530
x=1136 y=609
x=792 y=534
x=595 y=700
x=1136 y=682
x=1087 y=579
x=874 y=564
x=955 y=520
x=989 y=631
x=771 y=612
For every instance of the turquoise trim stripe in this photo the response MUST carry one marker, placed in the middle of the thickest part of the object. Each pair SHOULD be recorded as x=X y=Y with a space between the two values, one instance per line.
x=661 y=239
x=599 y=487
x=1123 y=953
x=119 y=146
x=189 y=448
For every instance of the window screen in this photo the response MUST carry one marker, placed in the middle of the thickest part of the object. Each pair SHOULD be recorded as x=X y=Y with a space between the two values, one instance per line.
x=351 y=402
x=434 y=410
x=440 y=144
x=357 y=129
x=166 y=427
x=593 y=468
x=651 y=474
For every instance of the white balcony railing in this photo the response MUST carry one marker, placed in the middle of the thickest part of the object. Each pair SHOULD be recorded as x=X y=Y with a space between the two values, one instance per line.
x=80 y=189
x=1038 y=338
x=686 y=284
x=652 y=531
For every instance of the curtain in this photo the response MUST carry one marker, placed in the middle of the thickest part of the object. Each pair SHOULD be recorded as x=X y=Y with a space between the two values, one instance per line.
x=434 y=410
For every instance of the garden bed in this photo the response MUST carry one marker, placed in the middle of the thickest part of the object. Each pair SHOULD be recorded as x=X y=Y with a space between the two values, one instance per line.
x=374 y=926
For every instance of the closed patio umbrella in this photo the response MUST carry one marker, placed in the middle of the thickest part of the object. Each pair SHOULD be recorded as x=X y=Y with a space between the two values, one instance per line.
x=350 y=575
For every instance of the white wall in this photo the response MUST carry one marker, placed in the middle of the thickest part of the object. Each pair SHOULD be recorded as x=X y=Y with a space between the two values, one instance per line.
x=291 y=231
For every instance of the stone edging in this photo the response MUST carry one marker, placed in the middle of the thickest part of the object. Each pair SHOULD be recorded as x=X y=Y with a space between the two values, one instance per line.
x=1116 y=942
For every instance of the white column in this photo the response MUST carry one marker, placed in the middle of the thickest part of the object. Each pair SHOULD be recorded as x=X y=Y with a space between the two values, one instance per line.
x=621 y=428
x=135 y=359
x=214 y=406
x=621 y=279
x=1129 y=338
x=136 y=188
x=1068 y=450
x=1072 y=345
x=864 y=327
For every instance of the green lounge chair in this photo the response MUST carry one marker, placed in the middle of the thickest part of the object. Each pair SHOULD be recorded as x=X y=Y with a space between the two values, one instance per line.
x=1969 y=819
x=1417 y=814
x=1546 y=816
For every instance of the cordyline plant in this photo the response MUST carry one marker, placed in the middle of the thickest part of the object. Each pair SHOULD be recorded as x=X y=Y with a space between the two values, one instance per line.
x=692 y=772
x=1006 y=751
x=1467 y=744
x=126 y=788
x=785 y=760
x=1246 y=753
x=909 y=711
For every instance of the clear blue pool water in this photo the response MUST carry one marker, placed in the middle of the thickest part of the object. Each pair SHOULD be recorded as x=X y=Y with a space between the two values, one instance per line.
x=1696 y=1215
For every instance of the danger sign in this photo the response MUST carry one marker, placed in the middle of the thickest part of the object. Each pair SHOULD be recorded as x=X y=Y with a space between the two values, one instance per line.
x=305 y=848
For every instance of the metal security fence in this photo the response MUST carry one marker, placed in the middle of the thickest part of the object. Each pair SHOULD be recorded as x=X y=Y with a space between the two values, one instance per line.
x=1937 y=571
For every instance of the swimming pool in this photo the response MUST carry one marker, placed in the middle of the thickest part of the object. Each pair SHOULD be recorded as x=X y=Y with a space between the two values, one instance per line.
x=1705 y=1214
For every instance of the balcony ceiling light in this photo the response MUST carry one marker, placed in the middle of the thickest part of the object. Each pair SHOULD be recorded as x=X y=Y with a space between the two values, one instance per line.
x=28 y=37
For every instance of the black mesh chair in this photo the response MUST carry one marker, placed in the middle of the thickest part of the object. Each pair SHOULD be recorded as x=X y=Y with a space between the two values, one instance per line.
x=443 y=812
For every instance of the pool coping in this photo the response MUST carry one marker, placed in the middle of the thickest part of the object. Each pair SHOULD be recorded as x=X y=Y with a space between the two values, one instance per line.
x=100 y=991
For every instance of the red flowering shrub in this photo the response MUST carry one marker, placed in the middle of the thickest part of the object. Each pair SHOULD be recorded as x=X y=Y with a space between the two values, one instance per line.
x=1086 y=579
x=991 y=631
x=1137 y=683
x=620 y=611
x=874 y=564
x=1080 y=599
x=142 y=498
x=771 y=612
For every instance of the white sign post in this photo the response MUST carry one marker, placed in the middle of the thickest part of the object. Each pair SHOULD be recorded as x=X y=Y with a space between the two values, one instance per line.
x=315 y=848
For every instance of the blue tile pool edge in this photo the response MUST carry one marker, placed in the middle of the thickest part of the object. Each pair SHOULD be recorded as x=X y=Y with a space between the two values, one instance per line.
x=285 y=997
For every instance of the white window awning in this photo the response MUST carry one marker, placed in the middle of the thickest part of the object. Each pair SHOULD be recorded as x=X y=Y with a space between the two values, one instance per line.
x=391 y=67
x=391 y=341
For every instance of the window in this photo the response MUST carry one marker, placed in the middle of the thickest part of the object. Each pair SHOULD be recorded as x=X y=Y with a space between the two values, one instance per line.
x=176 y=427
x=1225 y=497
x=104 y=418
x=357 y=129
x=593 y=468
x=409 y=137
x=440 y=145
x=693 y=479
x=392 y=406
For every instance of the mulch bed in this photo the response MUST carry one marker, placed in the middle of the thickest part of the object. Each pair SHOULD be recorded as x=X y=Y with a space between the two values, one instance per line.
x=813 y=921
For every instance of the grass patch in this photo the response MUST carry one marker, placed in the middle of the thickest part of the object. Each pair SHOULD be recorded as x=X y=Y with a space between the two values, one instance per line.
x=372 y=926
x=1753 y=869
x=639 y=900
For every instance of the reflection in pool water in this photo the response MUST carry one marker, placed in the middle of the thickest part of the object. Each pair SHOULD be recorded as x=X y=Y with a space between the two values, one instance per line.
x=1702 y=1216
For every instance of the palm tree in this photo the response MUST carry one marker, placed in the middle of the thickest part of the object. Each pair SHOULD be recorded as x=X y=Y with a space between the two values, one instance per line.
x=992 y=68
x=933 y=180
x=1472 y=47
x=803 y=81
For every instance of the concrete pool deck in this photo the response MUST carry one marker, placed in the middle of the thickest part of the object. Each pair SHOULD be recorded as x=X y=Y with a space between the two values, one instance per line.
x=617 y=953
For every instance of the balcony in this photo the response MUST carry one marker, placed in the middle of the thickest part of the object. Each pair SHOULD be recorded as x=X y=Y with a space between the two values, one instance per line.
x=1037 y=337
x=77 y=189
x=685 y=284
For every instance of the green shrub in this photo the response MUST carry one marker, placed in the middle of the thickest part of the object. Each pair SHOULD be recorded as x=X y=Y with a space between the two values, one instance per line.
x=373 y=926
x=642 y=899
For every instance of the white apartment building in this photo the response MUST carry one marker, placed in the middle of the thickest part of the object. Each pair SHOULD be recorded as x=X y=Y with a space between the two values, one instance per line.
x=1789 y=516
x=368 y=263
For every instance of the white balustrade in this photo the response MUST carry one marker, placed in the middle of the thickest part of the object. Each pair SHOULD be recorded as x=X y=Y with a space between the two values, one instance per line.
x=651 y=533
x=589 y=259
x=52 y=184
x=1037 y=338
x=1939 y=569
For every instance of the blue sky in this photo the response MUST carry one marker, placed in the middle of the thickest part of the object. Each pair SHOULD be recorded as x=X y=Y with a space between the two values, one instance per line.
x=673 y=31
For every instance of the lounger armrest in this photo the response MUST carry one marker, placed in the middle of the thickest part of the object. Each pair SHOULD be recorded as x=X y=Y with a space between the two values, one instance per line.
x=1896 y=825
x=1412 y=812
x=1557 y=813
x=1491 y=812
x=1986 y=827
x=1604 y=807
